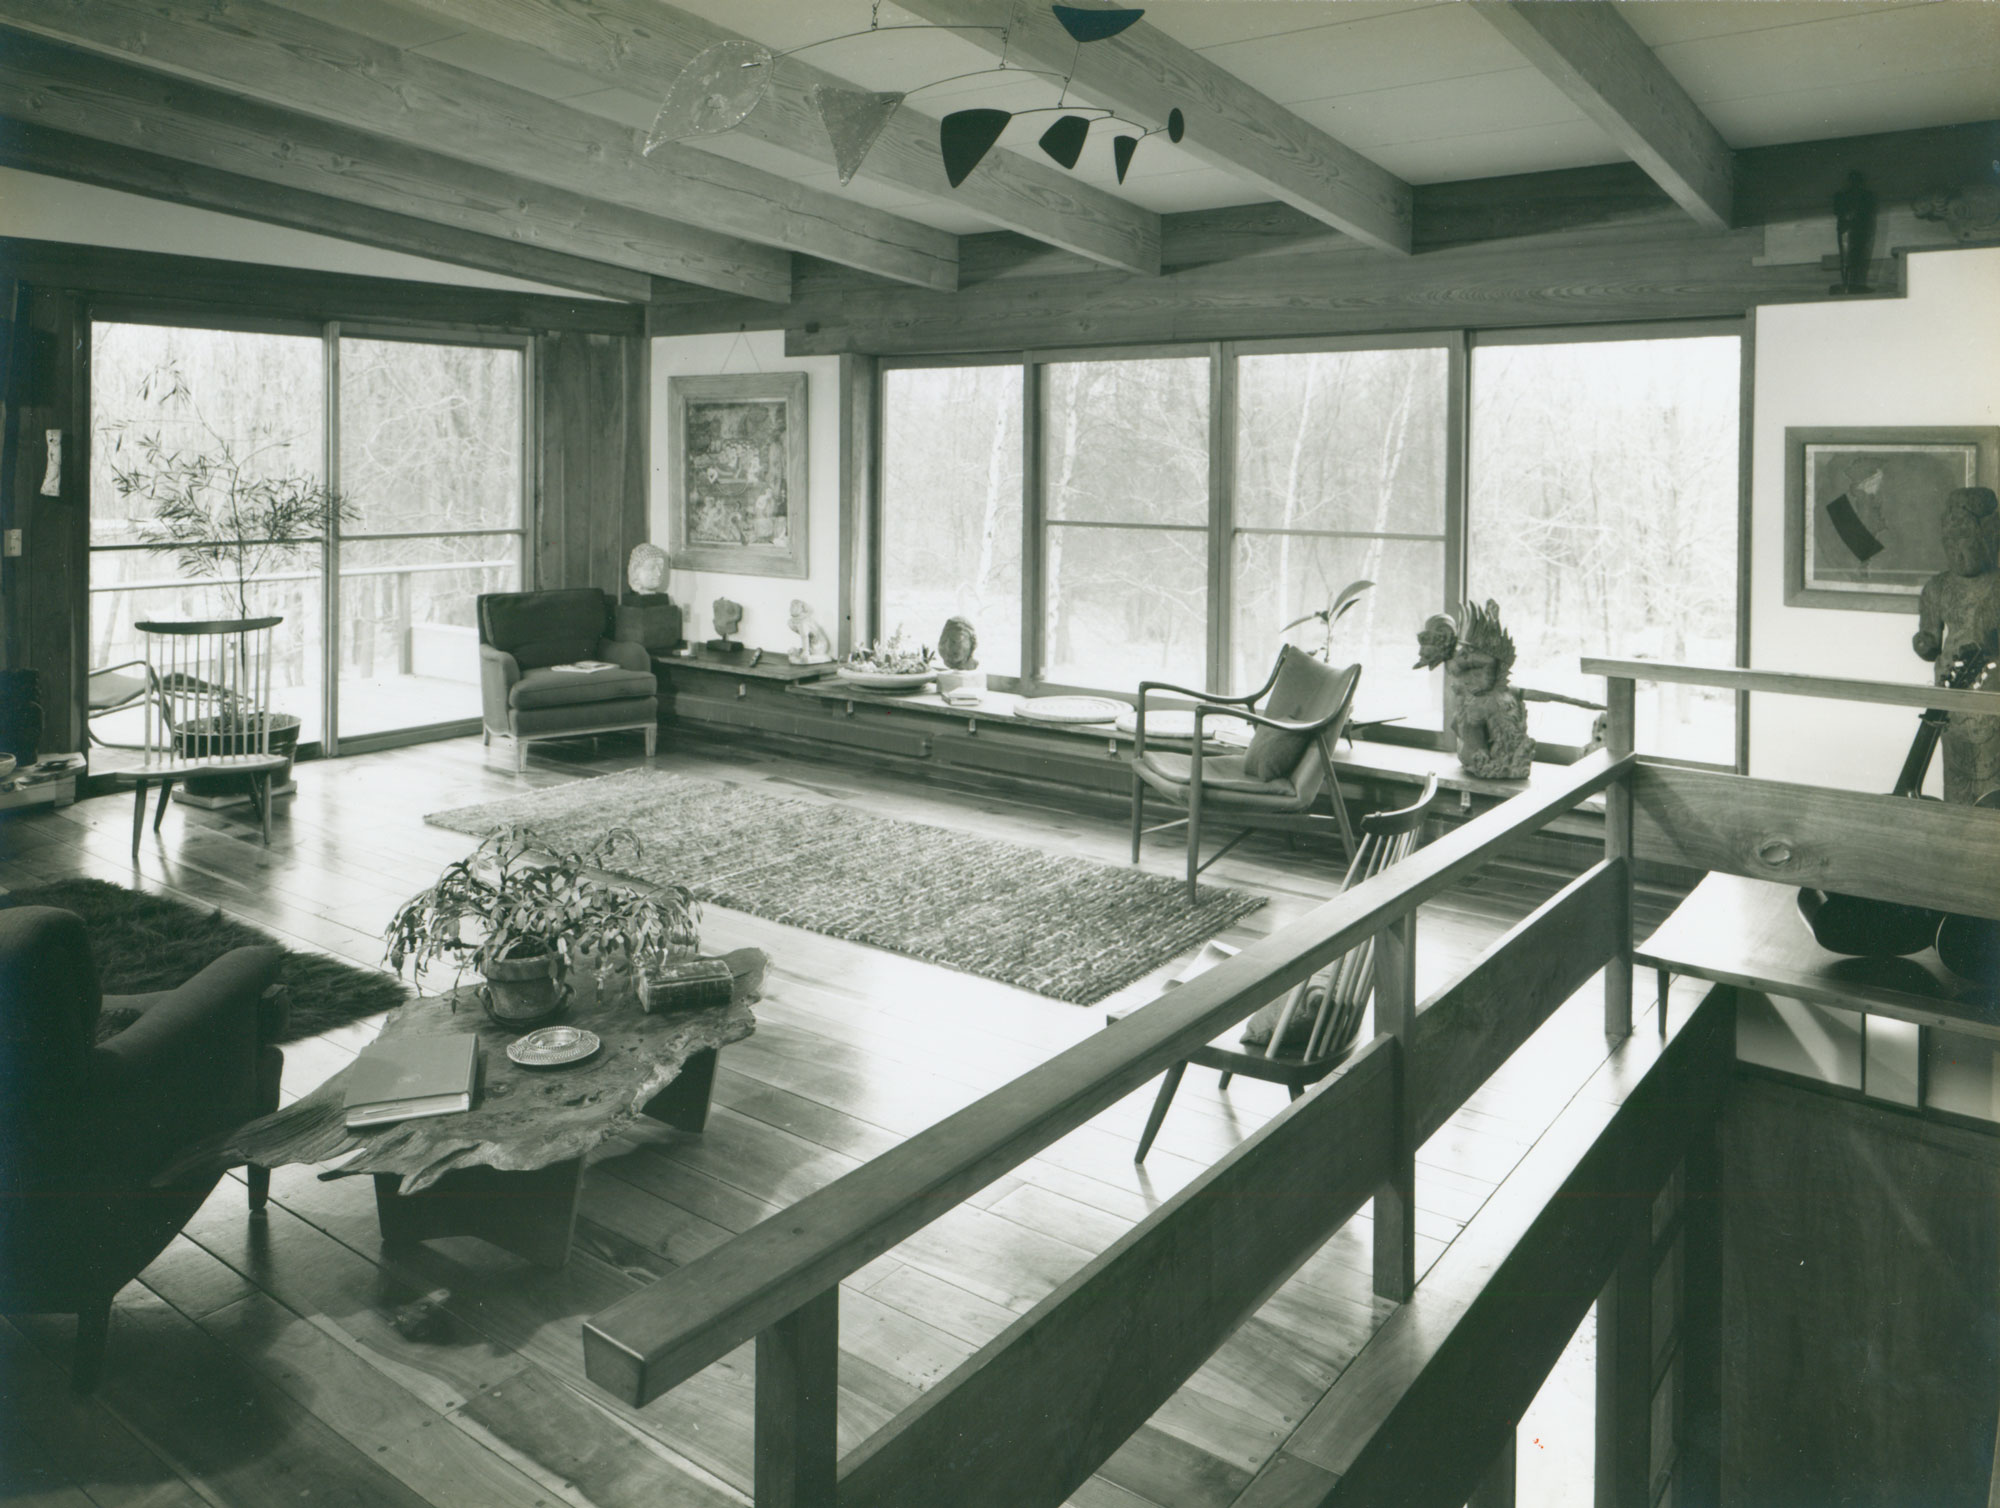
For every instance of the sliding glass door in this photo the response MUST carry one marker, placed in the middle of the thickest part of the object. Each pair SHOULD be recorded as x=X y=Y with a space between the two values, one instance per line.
x=431 y=465
x=426 y=441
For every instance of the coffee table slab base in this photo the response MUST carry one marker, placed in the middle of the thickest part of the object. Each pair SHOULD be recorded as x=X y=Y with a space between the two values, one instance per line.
x=531 y=1213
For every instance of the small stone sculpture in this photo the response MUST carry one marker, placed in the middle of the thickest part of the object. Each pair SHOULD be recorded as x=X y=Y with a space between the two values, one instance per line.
x=815 y=648
x=1490 y=722
x=646 y=571
x=1959 y=608
x=728 y=618
x=958 y=645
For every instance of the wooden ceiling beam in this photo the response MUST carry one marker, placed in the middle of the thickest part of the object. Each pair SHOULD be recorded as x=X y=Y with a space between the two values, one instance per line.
x=91 y=120
x=642 y=46
x=1591 y=53
x=738 y=219
x=1145 y=73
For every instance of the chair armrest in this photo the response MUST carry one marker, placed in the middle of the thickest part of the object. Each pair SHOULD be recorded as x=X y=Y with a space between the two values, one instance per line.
x=1260 y=719
x=187 y=1067
x=625 y=654
x=1200 y=696
x=498 y=671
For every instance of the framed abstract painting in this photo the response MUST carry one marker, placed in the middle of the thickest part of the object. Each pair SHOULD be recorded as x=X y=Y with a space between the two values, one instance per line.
x=1863 y=510
x=737 y=473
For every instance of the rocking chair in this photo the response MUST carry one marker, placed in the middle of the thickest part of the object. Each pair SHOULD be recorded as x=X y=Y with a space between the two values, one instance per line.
x=1303 y=1037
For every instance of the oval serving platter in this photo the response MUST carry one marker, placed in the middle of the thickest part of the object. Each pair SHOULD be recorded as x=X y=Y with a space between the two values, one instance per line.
x=553 y=1047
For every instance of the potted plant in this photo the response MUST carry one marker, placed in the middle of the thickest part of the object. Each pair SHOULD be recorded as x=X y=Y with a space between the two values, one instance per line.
x=536 y=911
x=228 y=513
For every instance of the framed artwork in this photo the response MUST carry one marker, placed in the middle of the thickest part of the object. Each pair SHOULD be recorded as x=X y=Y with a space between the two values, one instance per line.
x=736 y=487
x=1862 y=510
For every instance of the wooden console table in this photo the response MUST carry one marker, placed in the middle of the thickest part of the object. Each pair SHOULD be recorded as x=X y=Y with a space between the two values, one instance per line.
x=1749 y=933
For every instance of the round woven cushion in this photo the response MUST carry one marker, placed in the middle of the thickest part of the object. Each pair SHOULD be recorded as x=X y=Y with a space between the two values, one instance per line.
x=1070 y=709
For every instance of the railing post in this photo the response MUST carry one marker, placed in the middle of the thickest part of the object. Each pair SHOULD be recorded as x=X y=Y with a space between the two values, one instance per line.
x=1625 y=1375
x=1396 y=1200
x=1496 y=1488
x=1619 y=739
x=798 y=1370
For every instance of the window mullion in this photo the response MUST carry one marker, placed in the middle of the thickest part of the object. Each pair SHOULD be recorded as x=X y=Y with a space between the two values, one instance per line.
x=1221 y=511
x=1033 y=507
x=329 y=596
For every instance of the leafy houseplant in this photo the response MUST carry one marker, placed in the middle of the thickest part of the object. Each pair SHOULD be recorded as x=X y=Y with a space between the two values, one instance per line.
x=227 y=514
x=536 y=911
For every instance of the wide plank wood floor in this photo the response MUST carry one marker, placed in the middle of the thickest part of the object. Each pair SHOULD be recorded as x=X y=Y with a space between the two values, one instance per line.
x=259 y=1362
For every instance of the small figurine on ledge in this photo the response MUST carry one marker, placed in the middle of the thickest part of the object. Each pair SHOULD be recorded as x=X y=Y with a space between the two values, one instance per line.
x=815 y=648
x=728 y=619
x=958 y=647
x=1960 y=607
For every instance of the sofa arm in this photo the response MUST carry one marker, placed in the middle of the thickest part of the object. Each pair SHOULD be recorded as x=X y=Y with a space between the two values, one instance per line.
x=188 y=1066
x=498 y=671
x=625 y=654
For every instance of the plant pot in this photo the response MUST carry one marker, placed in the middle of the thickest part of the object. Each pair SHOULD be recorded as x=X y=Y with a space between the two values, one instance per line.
x=523 y=992
x=212 y=736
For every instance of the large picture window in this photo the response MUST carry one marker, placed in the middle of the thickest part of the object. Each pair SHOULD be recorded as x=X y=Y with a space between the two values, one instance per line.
x=1186 y=510
x=1604 y=516
x=1125 y=541
x=951 y=506
x=426 y=443
x=1340 y=477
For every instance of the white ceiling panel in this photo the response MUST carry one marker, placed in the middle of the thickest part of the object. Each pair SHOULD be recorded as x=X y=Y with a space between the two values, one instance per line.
x=1660 y=22
x=1400 y=47
x=1484 y=103
x=1494 y=154
x=1210 y=23
x=1870 y=50
x=1961 y=95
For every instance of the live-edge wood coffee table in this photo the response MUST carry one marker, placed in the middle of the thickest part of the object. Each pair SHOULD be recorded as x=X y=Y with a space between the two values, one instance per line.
x=510 y=1169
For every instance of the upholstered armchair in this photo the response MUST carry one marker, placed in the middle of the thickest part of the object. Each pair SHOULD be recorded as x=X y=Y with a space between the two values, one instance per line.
x=524 y=635
x=1276 y=781
x=86 y=1129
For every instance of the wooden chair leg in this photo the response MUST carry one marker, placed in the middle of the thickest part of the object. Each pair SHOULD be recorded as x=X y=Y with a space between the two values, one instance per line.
x=259 y=1180
x=93 y=1331
x=1340 y=808
x=260 y=790
x=1223 y=1082
x=485 y=736
x=138 y=817
x=160 y=811
x=1194 y=843
x=652 y=740
x=1138 y=813
x=520 y=754
x=1165 y=1098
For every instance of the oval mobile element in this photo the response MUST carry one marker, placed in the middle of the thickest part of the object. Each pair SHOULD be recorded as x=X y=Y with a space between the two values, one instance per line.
x=1095 y=25
x=719 y=87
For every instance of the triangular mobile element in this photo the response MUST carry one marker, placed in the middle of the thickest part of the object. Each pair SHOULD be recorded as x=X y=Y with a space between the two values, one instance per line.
x=1064 y=140
x=966 y=136
x=718 y=88
x=1095 y=25
x=1176 y=124
x=1122 y=148
x=854 y=119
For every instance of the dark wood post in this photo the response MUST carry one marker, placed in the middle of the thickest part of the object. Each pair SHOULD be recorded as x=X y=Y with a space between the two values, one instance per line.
x=1396 y=1200
x=1496 y=1488
x=798 y=1369
x=1625 y=1374
x=1619 y=739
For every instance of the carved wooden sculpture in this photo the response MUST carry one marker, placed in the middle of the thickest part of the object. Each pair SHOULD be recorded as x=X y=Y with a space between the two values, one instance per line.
x=1960 y=607
x=1490 y=722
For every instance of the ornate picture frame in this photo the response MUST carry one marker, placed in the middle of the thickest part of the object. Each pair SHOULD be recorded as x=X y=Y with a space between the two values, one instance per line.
x=737 y=475
x=1862 y=509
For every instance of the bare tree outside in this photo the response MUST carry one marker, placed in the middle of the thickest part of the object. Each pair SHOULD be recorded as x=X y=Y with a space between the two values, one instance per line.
x=1603 y=518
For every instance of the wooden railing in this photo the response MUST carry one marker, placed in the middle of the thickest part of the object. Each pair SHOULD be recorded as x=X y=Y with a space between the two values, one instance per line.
x=1165 y=1297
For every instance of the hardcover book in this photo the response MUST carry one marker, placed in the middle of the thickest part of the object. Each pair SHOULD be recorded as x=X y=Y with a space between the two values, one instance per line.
x=410 y=1077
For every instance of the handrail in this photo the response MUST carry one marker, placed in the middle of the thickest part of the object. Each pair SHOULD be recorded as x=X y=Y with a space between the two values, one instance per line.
x=1793 y=683
x=658 y=1337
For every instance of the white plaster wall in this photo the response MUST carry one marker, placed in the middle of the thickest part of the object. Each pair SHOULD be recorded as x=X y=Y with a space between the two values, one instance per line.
x=52 y=209
x=766 y=600
x=1930 y=358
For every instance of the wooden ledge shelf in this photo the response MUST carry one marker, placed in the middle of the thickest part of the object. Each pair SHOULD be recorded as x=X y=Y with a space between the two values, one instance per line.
x=1748 y=933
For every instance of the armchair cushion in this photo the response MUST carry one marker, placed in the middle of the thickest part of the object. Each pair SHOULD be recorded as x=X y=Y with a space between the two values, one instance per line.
x=570 y=688
x=627 y=654
x=1219 y=772
x=1306 y=691
x=543 y=628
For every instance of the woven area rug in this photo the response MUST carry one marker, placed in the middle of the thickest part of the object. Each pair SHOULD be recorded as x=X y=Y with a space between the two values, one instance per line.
x=1067 y=928
x=141 y=943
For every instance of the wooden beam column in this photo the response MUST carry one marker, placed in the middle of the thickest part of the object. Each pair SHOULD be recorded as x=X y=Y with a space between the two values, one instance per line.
x=798 y=1376
x=1619 y=737
x=1396 y=1200
x=1591 y=53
